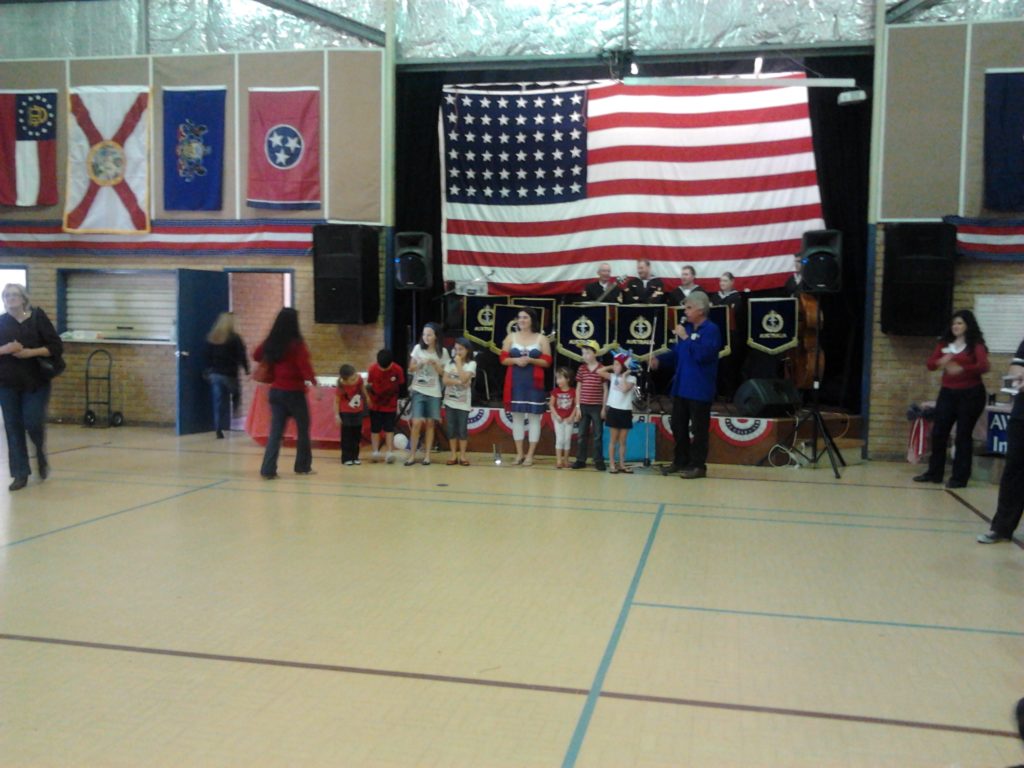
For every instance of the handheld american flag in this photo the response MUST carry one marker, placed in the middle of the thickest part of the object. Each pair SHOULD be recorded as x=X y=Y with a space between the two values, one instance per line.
x=541 y=185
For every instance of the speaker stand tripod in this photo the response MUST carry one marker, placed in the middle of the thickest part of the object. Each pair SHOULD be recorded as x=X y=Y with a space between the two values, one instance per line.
x=818 y=425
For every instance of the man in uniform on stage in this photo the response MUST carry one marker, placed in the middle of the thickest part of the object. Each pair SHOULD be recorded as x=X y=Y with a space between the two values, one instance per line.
x=606 y=289
x=688 y=276
x=643 y=289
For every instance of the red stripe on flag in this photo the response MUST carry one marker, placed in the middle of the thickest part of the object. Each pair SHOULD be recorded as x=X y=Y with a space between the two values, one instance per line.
x=491 y=259
x=700 y=120
x=637 y=220
x=702 y=188
x=700 y=154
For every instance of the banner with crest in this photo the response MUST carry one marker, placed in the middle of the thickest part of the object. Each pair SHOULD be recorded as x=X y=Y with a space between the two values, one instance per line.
x=578 y=323
x=640 y=328
x=478 y=319
x=772 y=325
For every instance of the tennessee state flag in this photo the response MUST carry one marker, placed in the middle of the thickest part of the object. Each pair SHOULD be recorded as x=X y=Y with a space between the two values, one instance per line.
x=108 y=160
x=284 y=148
x=28 y=148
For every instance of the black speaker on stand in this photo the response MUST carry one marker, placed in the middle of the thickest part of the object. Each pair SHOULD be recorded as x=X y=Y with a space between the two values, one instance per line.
x=414 y=268
x=346 y=281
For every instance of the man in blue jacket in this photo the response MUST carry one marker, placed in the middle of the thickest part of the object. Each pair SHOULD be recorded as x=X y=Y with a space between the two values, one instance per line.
x=695 y=360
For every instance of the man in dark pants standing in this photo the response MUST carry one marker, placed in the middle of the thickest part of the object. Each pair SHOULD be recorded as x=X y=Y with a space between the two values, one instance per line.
x=1011 y=487
x=695 y=359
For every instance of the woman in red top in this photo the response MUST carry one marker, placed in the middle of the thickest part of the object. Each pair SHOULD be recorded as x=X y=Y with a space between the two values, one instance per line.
x=285 y=349
x=963 y=358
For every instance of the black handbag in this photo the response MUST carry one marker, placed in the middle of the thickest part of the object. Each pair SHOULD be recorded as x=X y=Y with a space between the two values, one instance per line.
x=51 y=367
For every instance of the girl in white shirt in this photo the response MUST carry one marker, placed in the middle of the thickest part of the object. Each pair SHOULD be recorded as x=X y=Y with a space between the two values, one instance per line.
x=619 y=412
x=426 y=364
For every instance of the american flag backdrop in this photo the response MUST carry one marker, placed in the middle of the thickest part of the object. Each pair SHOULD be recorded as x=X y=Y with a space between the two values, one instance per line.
x=542 y=184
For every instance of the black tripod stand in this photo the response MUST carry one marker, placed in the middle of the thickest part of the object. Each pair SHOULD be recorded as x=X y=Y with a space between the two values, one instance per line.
x=818 y=425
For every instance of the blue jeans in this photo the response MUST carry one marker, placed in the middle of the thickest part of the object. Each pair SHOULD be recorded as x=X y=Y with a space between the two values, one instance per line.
x=284 y=404
x=223 y=389
x=24 y=412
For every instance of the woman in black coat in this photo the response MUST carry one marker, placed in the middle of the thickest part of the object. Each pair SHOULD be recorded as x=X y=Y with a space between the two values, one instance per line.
x=27 y=337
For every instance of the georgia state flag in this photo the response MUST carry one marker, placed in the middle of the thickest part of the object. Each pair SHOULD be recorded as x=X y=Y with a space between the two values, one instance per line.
x=284 y=148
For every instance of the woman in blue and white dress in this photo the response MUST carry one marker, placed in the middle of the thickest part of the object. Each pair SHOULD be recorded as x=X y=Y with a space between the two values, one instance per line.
x=525 y=354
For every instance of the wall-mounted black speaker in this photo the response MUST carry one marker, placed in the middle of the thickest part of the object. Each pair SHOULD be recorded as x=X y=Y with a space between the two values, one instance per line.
x=917 y=285
x=767 y=398
x=821 y=257
x=346 y=273
x=414 y=268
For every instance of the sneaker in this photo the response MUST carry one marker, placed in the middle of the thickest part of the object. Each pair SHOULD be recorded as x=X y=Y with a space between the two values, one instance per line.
x=348 y=463
x=389 y=458
x=375 y=457
x=356 y=461
x=991 y=538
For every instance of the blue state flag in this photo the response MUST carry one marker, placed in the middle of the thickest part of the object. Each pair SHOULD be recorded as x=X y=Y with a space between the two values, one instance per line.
x=1004 y=141
x=194 y=148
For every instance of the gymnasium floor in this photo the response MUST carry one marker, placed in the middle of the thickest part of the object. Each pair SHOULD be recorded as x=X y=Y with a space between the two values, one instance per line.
x=161 y=605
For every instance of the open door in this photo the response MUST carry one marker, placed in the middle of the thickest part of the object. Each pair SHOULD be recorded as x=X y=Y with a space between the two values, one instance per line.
x=202 y=296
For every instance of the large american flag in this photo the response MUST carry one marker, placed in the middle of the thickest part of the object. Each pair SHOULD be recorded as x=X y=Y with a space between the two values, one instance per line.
x=542 y=184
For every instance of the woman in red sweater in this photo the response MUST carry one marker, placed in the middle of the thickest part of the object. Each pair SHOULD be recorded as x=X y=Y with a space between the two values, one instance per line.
x=963 y=357
x=286 y=351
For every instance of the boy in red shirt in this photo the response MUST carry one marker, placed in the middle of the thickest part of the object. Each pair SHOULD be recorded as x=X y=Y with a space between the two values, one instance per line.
x=383 y=380
x=591 y=386
x=351 y=402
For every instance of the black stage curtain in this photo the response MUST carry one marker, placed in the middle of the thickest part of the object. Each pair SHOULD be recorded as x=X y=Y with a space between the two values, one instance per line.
x=842 y=137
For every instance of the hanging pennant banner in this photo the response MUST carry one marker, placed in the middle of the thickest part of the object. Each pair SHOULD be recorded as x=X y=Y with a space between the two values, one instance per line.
x=640 y=328
x=478 y=319
x=772 y=325
x=578 y=323
x=545 y=306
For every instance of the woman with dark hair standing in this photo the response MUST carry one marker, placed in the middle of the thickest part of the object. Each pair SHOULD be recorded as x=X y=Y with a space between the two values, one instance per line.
x=525 y=354
x=288 y=355
x=962 y=356
x=225 y=353
x=25 y=333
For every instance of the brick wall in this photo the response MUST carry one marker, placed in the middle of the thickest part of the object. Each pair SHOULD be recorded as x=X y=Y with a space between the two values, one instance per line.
x=144 y=377
x=898 y=376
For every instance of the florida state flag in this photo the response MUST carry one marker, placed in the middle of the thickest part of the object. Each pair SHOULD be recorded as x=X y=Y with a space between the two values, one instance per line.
x=108 y=160
x=284 y=148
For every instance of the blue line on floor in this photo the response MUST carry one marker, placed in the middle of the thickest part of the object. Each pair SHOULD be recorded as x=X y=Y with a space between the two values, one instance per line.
x=740 y=518
x=837 y=619
x=583 y=724
x=107 y=516
x=547 y=505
